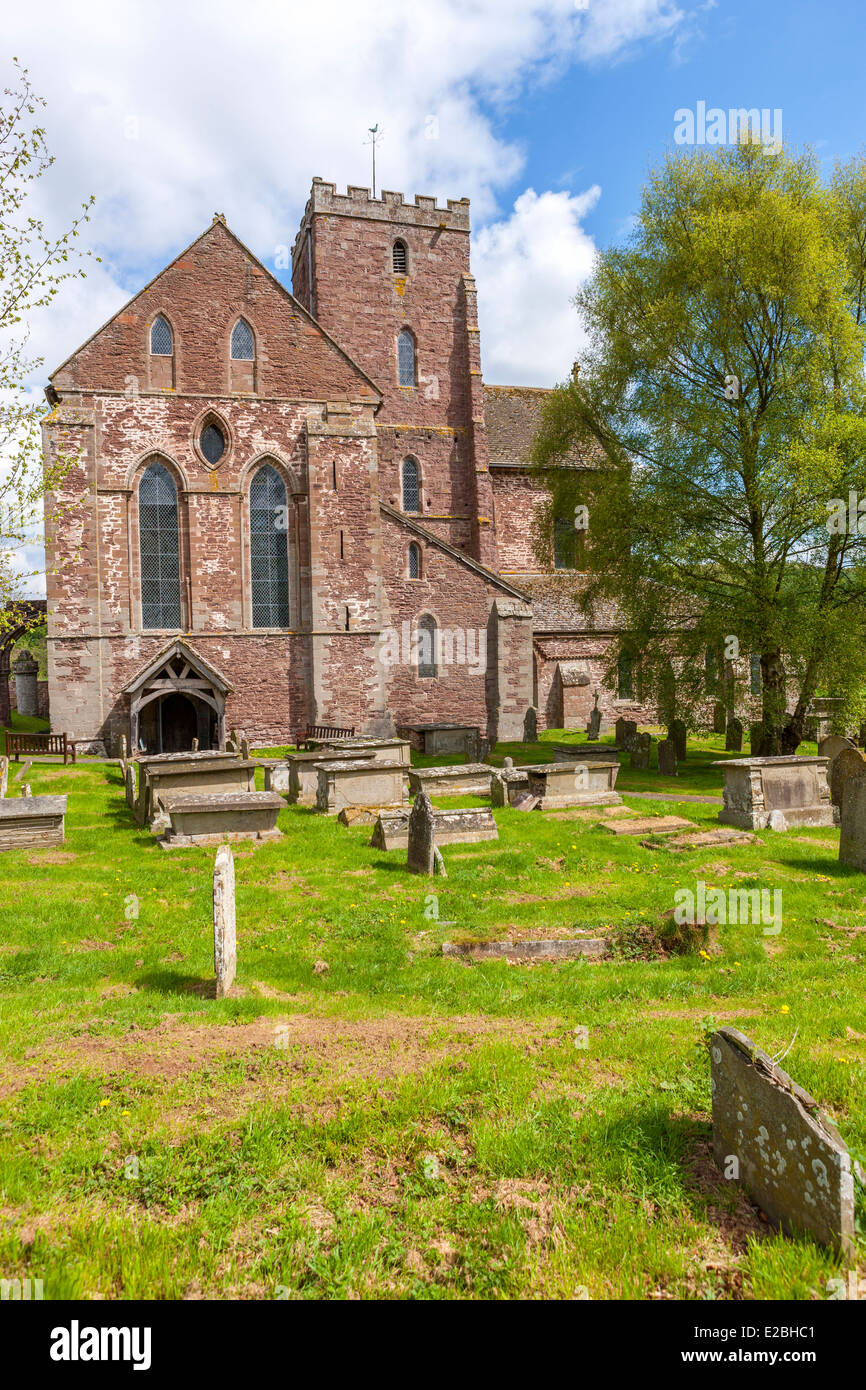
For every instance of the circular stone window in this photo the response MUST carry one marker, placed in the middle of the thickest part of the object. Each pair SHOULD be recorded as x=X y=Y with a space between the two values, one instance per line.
x=212 y=443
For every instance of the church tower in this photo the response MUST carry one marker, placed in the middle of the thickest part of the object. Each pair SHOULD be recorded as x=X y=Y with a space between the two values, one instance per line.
x=390 y=281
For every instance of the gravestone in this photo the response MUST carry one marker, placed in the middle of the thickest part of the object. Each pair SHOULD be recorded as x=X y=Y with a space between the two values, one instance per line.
x=593 y=728
x=231 y=746
x=31 y=822
x=847 y=765
x=25 y=790
x=4 y=776
x=131 y=792
x=422 y=846
x=123 y=753
x=734 y=736
x=756 y=734
x=667 y=758
x=677 y=735
x=195 y=745
x=507 y=762
x=25 y=670
x=640 y=752
x=794 y=786
x=852 y=841
x=530 y=725
x=720 y=718
x=771 y=1136
x=225 y=956
x=861 y=737
x=626 y=733
x=245 y=749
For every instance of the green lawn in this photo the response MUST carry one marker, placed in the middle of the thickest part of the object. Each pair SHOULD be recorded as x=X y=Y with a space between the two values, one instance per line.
x=366 y=1118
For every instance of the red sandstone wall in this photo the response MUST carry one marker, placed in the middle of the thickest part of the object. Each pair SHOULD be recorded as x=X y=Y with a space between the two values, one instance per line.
x=517 y=500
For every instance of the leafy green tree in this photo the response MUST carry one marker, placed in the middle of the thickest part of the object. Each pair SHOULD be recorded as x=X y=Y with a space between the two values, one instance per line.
x=33 y=266
x=721 y=403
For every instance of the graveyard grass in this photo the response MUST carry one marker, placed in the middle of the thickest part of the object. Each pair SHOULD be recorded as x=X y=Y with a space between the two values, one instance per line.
x=400 y=1124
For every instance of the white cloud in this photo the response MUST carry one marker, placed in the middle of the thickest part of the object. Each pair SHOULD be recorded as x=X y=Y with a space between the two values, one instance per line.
x=528 y=268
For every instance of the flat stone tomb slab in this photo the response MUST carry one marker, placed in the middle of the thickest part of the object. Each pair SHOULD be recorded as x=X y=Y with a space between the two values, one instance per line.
x=798 y=787
x=432 y=739
x=225 y=775
x=575 y=784
x=790 y=1158
x=367 y=815
x=199 y=818
x=461 y=779
x=383 y=750
x=649 y=825
x=299 y=774
x=556 y=949
x=583 y=752
x=359 y=782
x=32 y=822
x=453 y=827
x=723 y=836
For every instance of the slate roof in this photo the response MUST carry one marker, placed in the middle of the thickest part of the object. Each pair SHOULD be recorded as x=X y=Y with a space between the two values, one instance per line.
x=556 y=607
x=513 y=415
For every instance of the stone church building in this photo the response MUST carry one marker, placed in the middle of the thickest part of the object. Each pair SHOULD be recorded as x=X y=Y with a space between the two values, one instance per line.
x=306 y=508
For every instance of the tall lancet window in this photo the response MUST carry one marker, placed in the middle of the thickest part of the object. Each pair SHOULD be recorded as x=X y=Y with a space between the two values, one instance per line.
x=406 y=359
x=269 y=549
x=159 y=548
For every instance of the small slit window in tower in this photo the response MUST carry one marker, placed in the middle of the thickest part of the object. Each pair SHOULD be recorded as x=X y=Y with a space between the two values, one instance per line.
x=347 y=620
x=414 y=561
x=410 y=489
x=161 y=344
x=406 y=359
x=243 y=349
x=399 y=257
x=213 y=443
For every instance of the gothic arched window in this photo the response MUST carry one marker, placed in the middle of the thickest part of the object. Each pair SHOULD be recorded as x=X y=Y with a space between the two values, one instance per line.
x=625 y=677
x=161 y=341
x=399 y=257
x=243 y=343
x=427 y=646
x=159 y=548
x=406 y=359
x=410 y=489
x=414 y=561
x=269 y=549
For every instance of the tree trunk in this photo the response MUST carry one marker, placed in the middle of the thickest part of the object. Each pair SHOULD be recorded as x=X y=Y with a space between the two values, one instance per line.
x=774 y=714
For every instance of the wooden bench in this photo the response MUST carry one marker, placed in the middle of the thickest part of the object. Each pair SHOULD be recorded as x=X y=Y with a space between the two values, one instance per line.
x=322 y=731
x=16 y=744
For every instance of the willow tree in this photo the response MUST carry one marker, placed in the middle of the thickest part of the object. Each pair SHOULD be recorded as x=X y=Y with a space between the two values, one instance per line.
x=721 y=401
x=33 y=265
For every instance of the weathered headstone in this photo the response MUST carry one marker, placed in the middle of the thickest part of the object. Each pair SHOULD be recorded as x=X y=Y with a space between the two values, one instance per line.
x=720 y=718
x=734 y=736
x=508 y=762
x=439 y=862
x=530 y=725
x=131 y=791
x=626 y=733
x=756 y=734
x=25 y=670
x=847 y=765
x=421 y=836
x=640 y=752
x=852 y=840
x=4 y=776
x=245 y=749
x=772 y=1137
x=25 y=790
x=667 y=758
x=231 y=746
x=195 y=745
x=123 y=753
x=225 y=956
x=593 y=728
x=677 y=734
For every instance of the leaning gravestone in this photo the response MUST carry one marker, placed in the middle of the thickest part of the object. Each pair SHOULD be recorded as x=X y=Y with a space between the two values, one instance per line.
x=422 y=845
x=225 y=955
x=245 y=749
x=771 y=1136
x=640 y=751
x=4 y=776
x=756 y=734
x=123 y=753
x=593 y=728
x=852 y=840
x=530 y=725
x=846 y=766
x=734 y=736
x=720 y=718
x=667 y=758
x=677 y=735
x=129 y=779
